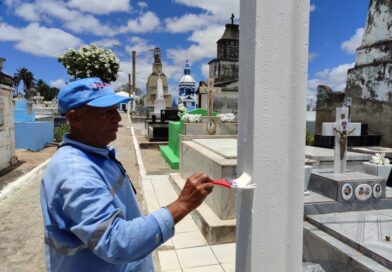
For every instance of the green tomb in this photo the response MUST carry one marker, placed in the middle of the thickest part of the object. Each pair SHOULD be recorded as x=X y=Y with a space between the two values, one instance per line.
x=171 y=152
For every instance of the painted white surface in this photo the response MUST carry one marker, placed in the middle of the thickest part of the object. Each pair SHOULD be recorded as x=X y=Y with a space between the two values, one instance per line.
x=377 y=170
x=272 y=78
x=7 y=138
x=327 y=129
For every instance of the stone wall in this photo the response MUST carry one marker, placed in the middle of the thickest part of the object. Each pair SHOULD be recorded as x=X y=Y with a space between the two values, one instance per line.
x=376 y=114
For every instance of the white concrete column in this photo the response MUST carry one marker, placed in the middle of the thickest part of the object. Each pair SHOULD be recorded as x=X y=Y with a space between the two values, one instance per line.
x=271 y=140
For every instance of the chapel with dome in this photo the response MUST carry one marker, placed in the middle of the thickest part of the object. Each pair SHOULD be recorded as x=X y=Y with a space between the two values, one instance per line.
x=187 y=89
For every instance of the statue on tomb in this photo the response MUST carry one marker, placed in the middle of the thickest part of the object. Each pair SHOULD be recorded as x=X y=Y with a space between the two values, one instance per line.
x=157 y=55
x=343 y=133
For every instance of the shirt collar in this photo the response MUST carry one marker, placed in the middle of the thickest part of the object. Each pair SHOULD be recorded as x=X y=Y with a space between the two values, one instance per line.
x=107 y=151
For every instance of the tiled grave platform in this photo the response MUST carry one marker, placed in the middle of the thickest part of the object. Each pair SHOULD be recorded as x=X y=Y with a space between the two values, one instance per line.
x=218 y=159
x=324 y=158
x=188 y=250
x=366 y=231
x=326 y=193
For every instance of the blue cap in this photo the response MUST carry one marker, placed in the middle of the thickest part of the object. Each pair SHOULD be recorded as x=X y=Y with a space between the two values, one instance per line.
x=88 y=91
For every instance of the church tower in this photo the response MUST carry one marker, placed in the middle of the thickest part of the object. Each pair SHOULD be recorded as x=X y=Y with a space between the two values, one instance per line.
x=225 y=67
x=223 y=71
x=187 y=88
x=152 y=83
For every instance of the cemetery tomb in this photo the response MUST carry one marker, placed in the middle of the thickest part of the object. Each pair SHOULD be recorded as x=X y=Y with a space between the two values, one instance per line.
x=324 y=158
x=348 y=221
x=7 y=142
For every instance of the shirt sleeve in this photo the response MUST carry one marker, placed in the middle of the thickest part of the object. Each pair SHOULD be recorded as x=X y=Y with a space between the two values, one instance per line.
x=98 y=223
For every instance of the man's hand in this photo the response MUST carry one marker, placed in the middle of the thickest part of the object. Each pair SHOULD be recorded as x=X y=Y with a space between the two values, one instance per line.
x=197 y=187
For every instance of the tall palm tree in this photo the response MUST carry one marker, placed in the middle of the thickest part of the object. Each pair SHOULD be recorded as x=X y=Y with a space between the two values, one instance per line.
x=23 y=74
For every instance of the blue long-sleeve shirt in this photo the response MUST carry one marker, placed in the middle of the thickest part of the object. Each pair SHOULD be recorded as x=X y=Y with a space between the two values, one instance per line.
x=91 y=216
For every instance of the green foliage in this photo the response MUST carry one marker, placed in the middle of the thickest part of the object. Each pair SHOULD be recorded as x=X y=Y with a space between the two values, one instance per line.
x=60 y=131
x=91 y=61
x=309 y=137
x=46 y=91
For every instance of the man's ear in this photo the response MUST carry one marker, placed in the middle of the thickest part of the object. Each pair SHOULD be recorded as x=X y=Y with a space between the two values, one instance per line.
x=73 y=118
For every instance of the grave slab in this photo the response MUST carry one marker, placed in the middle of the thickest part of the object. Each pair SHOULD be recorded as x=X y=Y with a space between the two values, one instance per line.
x=366 y=231
x=324 y=158
x=210 y=157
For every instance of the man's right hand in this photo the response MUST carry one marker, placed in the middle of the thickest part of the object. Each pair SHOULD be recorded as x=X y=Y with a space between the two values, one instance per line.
x=197 y=187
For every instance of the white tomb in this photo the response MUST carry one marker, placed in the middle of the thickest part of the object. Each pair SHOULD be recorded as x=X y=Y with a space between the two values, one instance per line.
x=7 y=134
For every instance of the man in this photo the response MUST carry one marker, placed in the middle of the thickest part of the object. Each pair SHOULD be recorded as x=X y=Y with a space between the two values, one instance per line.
x=92 y=220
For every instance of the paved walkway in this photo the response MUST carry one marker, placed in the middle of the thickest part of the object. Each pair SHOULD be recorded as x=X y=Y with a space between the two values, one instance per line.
x=21 y=231
x=188 y=250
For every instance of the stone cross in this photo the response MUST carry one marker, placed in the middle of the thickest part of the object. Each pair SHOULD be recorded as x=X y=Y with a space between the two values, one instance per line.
x=341 y=133
x=210 y=90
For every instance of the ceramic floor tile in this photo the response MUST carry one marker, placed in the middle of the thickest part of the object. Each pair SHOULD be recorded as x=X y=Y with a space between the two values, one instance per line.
x=210 y=268
x=165 y=198
x=151 y=201
x=196 y=256
x=160 y=185
x=167 y=245
x=186 y=225
x=188 y=239
x=228 y=267
x=225 y=253
x=168 y=260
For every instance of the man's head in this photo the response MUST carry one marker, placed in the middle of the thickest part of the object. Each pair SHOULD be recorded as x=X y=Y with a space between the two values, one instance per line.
x=91 y=109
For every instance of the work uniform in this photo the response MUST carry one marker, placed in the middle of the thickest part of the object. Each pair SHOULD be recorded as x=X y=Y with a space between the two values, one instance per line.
x=92 y=219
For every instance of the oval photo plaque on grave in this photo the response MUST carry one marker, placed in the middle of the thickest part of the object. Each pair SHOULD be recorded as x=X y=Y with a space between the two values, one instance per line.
x=363 y=192
x=347 y=191
x=377 y=190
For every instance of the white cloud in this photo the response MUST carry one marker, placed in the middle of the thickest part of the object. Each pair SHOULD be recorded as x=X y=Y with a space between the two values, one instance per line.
x=89 y=24
x=39 y=40
x=28 y=12
x=334 y=78
x=205 y=68
x=59 y=83
x=312 y=7
x=101 y=7
x=204 y=45
x=49 y=11
x=222 y=9
x=140 y=45
x=188 y=22
x=149 y=21
x=108 y=43
x=351 y=45
x=142 y=5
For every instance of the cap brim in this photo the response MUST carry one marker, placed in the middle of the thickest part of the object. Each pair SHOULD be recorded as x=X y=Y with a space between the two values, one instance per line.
x=108 y=101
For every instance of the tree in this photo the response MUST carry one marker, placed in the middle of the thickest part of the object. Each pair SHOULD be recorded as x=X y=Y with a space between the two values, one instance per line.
x=91 y=61
x=23 y=74
x=46 y=91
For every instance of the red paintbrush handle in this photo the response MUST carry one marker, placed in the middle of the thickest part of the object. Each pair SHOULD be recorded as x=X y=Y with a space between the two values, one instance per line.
x=222 y=182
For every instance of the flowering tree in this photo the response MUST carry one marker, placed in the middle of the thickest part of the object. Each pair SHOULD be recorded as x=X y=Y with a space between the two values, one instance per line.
x=91 y=61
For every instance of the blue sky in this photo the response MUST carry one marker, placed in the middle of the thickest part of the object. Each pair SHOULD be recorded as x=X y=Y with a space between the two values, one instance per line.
x=33 y=33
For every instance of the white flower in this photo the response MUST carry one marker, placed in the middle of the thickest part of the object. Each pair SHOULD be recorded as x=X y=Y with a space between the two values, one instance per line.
x=227 y=117
x=191 y=118
x=379 y=159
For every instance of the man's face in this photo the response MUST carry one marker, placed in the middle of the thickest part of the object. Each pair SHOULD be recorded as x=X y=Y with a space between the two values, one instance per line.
x=98 y=126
